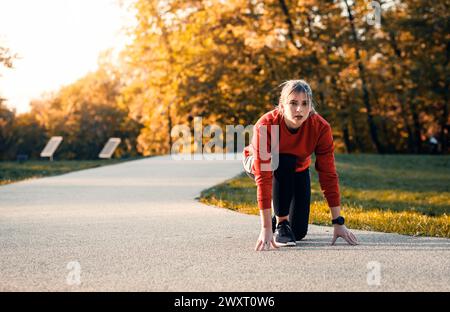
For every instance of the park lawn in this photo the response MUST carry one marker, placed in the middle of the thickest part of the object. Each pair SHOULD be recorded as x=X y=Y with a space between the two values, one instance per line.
x=405 y=194
x=13 y=171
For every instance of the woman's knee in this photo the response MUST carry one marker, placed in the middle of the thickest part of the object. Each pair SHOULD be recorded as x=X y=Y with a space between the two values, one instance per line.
x=248 y=166
x=300 y=230
x=300 y=236
x=286 y=162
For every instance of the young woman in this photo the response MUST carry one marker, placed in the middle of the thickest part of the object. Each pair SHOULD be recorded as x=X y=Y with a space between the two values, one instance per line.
x=278 y=159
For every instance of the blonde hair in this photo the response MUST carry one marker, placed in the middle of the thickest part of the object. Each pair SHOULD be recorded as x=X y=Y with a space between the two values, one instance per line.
x=295 y=86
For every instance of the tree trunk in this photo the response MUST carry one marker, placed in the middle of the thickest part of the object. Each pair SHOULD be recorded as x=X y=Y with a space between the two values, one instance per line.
x=390 y=148
x=346 y=136
x=416 y=123
x=359 y=143
x=291 y=28
x=443 y=136
x=171 y=61
x=372 y=127
x=401 y=97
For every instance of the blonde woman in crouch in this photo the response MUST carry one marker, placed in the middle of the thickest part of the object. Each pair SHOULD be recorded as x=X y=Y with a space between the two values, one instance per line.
x=301 y=132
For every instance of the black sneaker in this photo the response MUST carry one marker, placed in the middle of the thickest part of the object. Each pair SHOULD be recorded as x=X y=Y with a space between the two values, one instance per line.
x=284 y=235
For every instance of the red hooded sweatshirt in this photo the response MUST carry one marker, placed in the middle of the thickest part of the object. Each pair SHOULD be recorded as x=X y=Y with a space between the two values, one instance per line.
x=314 y=135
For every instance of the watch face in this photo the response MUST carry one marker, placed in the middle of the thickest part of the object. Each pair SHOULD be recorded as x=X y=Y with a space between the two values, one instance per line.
x=339 y=220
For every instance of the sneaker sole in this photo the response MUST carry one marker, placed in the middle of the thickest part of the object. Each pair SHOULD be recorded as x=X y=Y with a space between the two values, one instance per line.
x=289 y=244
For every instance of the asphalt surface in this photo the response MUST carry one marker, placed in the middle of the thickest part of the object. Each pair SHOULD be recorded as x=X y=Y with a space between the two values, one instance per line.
x=137 y=226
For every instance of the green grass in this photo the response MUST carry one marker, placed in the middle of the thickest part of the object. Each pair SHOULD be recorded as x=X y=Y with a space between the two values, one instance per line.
x=13 y=171
x=405 y=194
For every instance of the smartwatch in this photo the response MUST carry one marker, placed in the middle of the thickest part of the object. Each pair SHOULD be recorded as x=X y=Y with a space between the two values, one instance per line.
x=339 y=220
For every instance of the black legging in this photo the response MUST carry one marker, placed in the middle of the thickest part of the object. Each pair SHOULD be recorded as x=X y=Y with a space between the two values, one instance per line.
x=291 y=193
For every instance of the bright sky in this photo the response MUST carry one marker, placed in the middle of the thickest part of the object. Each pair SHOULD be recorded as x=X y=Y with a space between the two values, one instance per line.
x=58 y=41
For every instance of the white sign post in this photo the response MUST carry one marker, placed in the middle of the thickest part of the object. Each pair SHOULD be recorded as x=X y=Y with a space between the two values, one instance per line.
x=51 y=147
x=109 y=148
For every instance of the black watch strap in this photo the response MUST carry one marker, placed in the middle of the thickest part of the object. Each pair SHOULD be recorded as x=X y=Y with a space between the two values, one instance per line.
x=339 y=220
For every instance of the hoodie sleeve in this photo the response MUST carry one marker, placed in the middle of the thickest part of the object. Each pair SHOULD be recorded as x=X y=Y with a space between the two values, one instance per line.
x=261 y=165
x=325 y=166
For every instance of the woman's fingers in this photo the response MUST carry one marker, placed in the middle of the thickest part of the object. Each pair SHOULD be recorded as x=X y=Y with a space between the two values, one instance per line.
x=345 y=237
x=258 y=244
x=261 y=246
x=334 y=239
x=354 y=237
x=265 y=240
x=274 y=245
x=349 y=239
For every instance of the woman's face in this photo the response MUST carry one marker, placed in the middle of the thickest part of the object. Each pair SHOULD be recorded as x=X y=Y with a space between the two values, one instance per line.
x=296 y=109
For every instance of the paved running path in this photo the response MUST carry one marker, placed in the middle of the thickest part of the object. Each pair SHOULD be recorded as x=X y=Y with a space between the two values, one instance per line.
x=136 y=226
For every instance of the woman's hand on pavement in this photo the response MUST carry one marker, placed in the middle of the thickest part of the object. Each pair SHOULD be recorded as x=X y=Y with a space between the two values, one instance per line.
x=342 y=231
x=265 y=240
